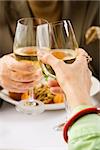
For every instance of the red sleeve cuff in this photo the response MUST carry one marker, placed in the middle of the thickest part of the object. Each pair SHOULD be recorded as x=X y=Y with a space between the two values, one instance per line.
x=76 y=117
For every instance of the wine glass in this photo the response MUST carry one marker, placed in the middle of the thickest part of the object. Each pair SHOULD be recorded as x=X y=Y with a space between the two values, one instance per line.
x=59 y=39
x=25 y=49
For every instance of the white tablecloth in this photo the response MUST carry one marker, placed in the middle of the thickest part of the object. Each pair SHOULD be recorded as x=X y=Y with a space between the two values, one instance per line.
x=22 y=132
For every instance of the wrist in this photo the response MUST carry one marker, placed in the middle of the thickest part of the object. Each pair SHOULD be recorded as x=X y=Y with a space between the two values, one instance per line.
x=77 y=116
x=77 y=97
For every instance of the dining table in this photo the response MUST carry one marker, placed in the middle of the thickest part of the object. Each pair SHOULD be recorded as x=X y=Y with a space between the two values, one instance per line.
x=20 y=131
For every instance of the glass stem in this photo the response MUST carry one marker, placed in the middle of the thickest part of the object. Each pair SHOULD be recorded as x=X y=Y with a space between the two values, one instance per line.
x=31 y=95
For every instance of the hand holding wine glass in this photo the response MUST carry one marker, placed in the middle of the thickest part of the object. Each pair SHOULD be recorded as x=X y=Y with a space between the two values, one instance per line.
x=17 y=76
x=61 y=53
x=58 y=39
x=74 y=79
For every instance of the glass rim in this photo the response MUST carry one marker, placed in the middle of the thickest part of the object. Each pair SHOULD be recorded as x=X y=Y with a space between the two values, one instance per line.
x=55 y=23
x=32 y=18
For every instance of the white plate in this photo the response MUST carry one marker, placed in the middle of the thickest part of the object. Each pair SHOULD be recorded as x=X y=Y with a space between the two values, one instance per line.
x=94 y=89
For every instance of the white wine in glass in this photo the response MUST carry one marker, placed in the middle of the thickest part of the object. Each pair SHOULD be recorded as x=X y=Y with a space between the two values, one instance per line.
x=25 y=49
x=68 y=56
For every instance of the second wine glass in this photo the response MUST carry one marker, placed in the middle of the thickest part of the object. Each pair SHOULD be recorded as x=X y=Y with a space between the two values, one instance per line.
x=59 y=39
x=25 y=49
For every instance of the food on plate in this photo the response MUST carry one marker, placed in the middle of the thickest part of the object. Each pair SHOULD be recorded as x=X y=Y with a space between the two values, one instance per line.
x=58 y=98
x=15 y=96
x=42 y=93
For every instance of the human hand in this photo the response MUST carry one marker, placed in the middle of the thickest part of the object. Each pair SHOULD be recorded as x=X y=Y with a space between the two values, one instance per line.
x=74 y=79
x=92 y=34
x=17 y=76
